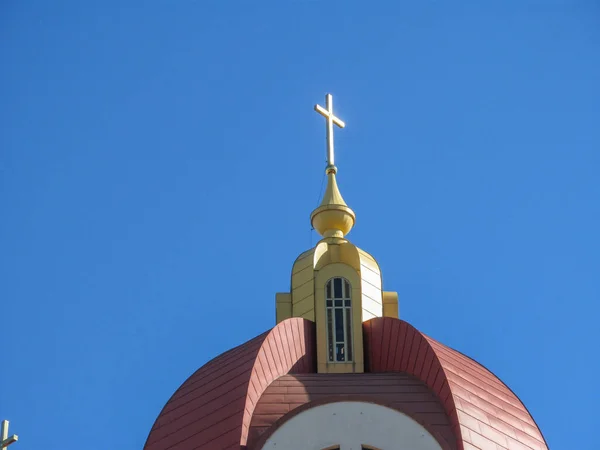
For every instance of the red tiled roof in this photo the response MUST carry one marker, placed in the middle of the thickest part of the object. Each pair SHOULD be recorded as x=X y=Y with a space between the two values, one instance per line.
x=225 y=404
x=212 y=409
x=296 y=393
x=484 y=412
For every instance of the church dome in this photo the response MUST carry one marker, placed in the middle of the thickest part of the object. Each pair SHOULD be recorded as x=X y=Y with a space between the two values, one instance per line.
x=340 y=370
x=240 y=398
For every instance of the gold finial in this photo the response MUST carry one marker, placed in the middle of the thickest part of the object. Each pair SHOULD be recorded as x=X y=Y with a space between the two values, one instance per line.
x=333 y=218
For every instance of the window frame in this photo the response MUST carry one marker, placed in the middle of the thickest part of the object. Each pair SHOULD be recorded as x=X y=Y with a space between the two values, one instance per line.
x=345 y=307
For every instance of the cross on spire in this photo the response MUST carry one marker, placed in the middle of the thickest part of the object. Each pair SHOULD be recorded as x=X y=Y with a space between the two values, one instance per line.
x=6 y=441
x=327 y=112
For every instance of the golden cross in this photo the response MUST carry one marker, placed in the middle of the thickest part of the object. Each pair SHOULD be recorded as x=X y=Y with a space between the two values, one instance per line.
x=327 y=112
x=6 y=441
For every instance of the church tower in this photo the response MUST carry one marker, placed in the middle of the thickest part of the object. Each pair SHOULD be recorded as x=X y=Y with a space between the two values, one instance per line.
x=340 y=370
x=335 y=284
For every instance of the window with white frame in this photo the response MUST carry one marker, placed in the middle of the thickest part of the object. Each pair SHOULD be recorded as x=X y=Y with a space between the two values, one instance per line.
x=338 y=300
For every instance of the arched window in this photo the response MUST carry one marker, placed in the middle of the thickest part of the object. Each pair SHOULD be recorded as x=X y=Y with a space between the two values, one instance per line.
x=338 y=298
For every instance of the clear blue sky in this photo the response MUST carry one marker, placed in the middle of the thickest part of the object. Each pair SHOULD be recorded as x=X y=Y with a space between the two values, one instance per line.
x=160 y=159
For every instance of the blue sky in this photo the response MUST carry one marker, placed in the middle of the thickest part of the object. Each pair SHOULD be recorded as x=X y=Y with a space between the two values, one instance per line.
x=160 y=159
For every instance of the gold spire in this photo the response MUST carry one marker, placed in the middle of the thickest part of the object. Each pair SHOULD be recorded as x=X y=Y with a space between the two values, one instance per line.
x=333 y=218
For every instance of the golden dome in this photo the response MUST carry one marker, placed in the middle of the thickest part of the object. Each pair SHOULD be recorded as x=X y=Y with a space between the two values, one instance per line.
x=333 y=218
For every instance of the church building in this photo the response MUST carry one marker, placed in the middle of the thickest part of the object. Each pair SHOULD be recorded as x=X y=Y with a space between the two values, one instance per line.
x=340 y=370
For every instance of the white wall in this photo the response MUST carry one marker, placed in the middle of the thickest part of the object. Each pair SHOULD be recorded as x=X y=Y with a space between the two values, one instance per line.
x=350 y=425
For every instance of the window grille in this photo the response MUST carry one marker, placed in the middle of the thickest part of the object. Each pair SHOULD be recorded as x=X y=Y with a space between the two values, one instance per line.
x=338 y=299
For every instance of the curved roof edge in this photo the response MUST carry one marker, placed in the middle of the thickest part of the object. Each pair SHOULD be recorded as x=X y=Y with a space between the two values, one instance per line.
x=505 y=385
x=213 y=407
x=484 y=412
x=290 y=347
x=291 y=395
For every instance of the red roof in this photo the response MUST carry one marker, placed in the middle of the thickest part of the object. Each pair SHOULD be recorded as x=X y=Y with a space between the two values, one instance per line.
x=292 y=394
x=212 y=408
x=222 y=405
x=484 y=412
